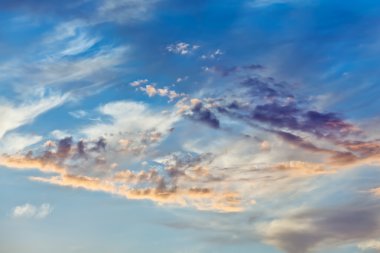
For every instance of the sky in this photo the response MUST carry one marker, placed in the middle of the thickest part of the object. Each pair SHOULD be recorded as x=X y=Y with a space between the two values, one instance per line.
x=189 y=126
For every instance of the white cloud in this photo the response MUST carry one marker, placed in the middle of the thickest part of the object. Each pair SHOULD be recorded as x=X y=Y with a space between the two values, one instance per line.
x=59 y=134
x=80 y=44
x=49 y=66
x=78 y=114
x=15 y=142
x=125 y=11
x=212 y=55
x=69 y=38
x=182 y=48
x=31 y=211
x=128 y=116
x=54 y=71
x=12 y=116
x=64 y=31
x=138 y=82
x=163 y=92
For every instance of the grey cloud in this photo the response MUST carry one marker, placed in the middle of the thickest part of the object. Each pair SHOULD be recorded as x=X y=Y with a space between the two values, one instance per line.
x=204 y=115
x=230 y=71
x=310 y=229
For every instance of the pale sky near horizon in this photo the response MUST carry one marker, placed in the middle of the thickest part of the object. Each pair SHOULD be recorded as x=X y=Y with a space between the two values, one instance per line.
x=189 y=126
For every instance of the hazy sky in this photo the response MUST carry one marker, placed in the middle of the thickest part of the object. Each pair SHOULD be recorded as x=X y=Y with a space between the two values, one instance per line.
x=189 y=126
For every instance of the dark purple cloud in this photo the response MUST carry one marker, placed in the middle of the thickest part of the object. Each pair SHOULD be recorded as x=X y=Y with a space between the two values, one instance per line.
x=324 y=124
x=265 y=87
x=204 y=115
x=100 y=145
x=229 y=71
x=277 y=115
x=64 y=147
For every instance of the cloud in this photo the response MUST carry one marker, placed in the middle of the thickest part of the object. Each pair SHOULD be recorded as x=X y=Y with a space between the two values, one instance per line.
x=116 y=11
x=169 y=187
x=307 y=230
x=16 y=142
x=369 y=245
x=217 y=53
x=264 y=104
x=93 y=69
x=125 y=11
x=27 y=162
x=138 y=82
x=182 y=48
x=14 y=116
x=243 y=138
x=152 y=91
x=134 y=132
x=303 y=168
x=31 y=211
x=199 y=198
x=78 y=114
x=87 y=183
x=197 y=111
x=79 y=45
x=172 y=182
x=260 y=130
x=68 y=54
x=129 y=117
x=229 y=71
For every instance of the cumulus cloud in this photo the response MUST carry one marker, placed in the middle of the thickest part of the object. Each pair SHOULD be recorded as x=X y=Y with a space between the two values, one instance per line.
x=32 y=211
x=152 y=91
x=138 y=82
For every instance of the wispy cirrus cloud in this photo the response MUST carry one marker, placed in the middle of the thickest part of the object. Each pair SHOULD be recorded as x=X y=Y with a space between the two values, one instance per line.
x=99 y=11
x=125 y=11
x=17 y=142
x=14 y=116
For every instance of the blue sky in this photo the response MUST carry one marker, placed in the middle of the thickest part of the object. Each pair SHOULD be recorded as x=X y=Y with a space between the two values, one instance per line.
x=189 y=126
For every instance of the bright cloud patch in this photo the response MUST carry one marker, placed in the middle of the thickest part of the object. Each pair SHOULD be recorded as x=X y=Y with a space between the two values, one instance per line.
x=31 y=211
